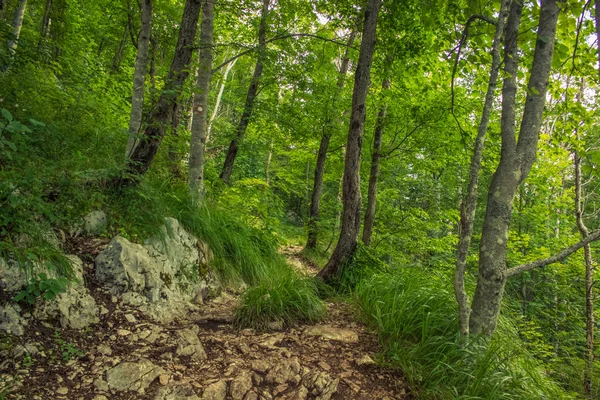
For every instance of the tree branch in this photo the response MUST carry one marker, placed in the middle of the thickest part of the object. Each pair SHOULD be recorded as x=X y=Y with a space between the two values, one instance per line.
x=552 y=259
x=281 y=37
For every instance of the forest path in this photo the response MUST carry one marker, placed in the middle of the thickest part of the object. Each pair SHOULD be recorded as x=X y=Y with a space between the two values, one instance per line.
x=128 y=356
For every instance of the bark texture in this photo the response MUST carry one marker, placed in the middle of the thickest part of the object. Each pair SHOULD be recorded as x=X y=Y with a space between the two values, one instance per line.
x=469 y=205
x=200 y=108
x=374 y=172
x=516 y=161
x=315 y=200
x=160 y=117
x=351 y=187
x=250 y=97
x=17 y=24
x=139 y=76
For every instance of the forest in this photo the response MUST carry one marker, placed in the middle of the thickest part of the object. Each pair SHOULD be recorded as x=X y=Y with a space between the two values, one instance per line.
x=435 y=164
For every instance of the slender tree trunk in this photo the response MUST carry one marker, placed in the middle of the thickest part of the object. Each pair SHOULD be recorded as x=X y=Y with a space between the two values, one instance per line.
x=375 y=163
x=516 y=161
x=351 y=190
x=116 y=63
x=315 y=201
x=200 y=109
x=268 y=164
x=219 y=97
x=17 y=24
x=45 y=22
x=469 y=206
x=1 y=5
x=158 y=121
x=597 y=18
x=589 y=268
x=173 y=150
x=139 y=76
x=252 y=90
x=152 y=71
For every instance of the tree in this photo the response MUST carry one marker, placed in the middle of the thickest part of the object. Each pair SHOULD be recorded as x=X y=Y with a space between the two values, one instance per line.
x=156 y=127
x=516 y=161
x=375 y=163
x=200 y=107
x=17 y=24
x=469 y=204
x=313 y=218
x=250 y=97
x=139 y=76
x=348 y=239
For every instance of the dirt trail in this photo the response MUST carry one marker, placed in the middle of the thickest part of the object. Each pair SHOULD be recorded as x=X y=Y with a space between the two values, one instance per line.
x=128 y=356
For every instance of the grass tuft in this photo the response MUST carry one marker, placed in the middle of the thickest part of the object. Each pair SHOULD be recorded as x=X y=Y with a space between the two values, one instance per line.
x=284 y=300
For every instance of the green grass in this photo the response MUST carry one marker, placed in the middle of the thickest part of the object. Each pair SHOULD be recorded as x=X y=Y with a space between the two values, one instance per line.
x=285 y=300
x=415 y=315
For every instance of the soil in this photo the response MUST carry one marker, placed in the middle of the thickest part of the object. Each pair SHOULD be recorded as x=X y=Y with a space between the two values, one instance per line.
x=69 y=364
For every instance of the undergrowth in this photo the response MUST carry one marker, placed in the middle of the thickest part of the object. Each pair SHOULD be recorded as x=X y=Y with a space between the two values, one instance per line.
x=415 y=315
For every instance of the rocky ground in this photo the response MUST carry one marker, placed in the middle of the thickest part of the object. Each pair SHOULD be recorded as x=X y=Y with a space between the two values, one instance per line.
x=199 y=355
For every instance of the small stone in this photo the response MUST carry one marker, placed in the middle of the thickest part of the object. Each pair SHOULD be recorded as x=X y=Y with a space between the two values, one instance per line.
x=123 y=332
x=280 y=389
x=63 y=390
x=113 y=338
x=331 y=333
x=103 y=310
x=365 y=360
x=130 y=318
x=324 y=365
x=104 y=349
x=163 y=379
x=240 y=385
x=101 y=385
x=215 y=391
x=114 y=299
x=100 y=397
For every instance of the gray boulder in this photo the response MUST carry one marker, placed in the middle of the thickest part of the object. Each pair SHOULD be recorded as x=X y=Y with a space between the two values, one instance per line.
x=95 y=223
x=11 y=320
x=165 y=271
x=135 y=376
x=75 y=308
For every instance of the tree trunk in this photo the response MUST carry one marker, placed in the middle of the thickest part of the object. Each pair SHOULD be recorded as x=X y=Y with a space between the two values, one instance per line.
x=116 y=63
x=516 y=161
x=17 y=24
x=173 y=150
x=252 y=90
x=351 y=190
x=158 y=121
x=589 y=269
x=219 y=97
x=45 y=22
x=200 y=109
x=139 y=76
x=315 y=201
x=268 y=164
x=375 y=162
x=597 y=18
x=468 y=208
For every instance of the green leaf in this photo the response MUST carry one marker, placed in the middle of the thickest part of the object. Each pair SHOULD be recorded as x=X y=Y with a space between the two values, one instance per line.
x=7 y=115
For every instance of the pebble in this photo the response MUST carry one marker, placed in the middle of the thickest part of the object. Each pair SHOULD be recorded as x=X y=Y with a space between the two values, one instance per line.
x=62 y=390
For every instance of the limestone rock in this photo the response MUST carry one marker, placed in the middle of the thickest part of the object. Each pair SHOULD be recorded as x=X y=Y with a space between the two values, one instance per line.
x=164 y=273
x=188 y=344
x=12 y=278
x=179 y=392
x=331 y=333
x=75 y=308
x=94 y=223
x=287 y=371
x=364 y=360
x=300 y=394
x=215 y=391
x=320 y=384
x=240 y=385
x=11 y=320
x=133 y=375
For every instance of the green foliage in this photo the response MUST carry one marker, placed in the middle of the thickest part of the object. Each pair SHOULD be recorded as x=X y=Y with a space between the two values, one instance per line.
x=283 y=300
x=68 y=351
x=42 y=286
x=415 y=315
